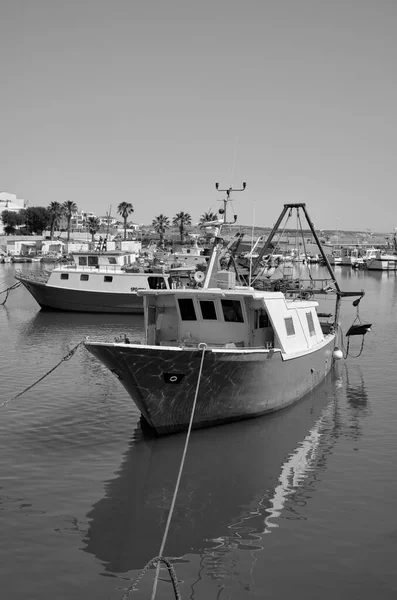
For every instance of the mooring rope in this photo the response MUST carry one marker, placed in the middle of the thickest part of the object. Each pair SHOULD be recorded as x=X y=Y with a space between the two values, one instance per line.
x=151 y=563
x=67 y=357
x=8 y=290
x=160 y=558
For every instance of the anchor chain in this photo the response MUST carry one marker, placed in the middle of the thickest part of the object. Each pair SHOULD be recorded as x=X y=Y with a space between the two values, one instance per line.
x=8 y=290
x=65 y=358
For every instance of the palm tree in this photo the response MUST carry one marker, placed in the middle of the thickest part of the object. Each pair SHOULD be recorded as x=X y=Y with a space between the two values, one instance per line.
x=208 y=216
x=160 y=224
x=182 y=220
x=69 y=207
x=125 y=209
x=93 y=225
x=55 y=210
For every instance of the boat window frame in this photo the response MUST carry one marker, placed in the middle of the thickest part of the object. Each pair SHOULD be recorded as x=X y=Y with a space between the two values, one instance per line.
x=239 y=313
x=93 y=261
x=160 y=280
x=64 y=276
x=193 y=304
x=82 y=261
x=289 y=321
x=107 y=278
x=208 y=301
x=84 y=277
x=310 y=323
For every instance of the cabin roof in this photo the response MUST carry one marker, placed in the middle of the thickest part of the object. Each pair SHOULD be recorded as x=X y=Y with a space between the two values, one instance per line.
x=215 y=292
x=222 y=293
x=106 y=253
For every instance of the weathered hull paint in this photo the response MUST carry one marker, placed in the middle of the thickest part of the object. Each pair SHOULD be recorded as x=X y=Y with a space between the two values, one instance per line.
x=52 y=298
x=234 y=385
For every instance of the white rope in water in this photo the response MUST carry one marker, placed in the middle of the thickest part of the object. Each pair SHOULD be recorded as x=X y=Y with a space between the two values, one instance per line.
x=202 y=347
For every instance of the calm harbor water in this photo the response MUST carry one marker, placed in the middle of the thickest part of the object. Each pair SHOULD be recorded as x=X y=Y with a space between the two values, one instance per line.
x=298 y=504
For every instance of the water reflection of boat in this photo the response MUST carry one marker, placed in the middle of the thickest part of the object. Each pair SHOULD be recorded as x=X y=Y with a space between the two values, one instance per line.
x=45 y=323
x=237 y=482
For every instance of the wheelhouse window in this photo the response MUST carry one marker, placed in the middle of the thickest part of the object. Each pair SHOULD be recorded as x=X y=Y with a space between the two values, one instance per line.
x=310 y=323
x=84 y=277
x=208 y=311
x=112 y=260
x=108 y=279
x=157 y=283
x=261 y=319
x=93 y=261
x=289 y=326
x=186 y=307
x=82 y=261
x=64 y=275
x=232 y=311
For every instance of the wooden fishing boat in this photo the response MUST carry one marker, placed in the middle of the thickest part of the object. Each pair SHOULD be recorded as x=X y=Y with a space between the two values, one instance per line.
x=95 y=282
x=239 y=351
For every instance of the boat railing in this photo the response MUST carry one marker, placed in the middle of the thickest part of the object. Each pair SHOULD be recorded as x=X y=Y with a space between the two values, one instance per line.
x=291 y=285
x=93 y=268
x=38 y=277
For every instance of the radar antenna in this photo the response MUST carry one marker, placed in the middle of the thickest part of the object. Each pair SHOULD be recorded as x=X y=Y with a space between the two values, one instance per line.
x=228 y=191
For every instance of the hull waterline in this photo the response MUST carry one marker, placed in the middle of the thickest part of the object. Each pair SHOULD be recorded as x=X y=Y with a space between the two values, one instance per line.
x=52 y=298
x=234 y=385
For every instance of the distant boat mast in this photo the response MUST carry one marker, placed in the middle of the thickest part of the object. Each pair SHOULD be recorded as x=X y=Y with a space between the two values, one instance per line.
x=108 y=214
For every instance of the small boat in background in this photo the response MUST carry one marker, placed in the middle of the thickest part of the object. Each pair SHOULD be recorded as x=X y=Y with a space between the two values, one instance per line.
x=95 y=282
x=18 y=258
x=382 y=261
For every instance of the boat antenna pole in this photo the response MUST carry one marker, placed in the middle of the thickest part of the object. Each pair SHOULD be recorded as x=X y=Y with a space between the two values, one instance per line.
x=109 y=213
x=218 y=242
x=227 y=199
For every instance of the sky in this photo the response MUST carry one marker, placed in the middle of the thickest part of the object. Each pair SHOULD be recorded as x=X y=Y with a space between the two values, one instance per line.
x=153 y=101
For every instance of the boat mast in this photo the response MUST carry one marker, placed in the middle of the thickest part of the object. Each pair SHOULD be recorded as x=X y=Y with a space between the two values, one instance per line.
x=218 y=224
x=227 y=199
x=339 y=293
x=108 y=220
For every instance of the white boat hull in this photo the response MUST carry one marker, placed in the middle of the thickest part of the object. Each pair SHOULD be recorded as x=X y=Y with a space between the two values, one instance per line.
x=383 y=263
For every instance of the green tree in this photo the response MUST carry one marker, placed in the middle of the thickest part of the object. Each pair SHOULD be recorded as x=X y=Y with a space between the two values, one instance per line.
x=160 y=224
x=37 y=219
x=125 y=209
x=55 y=212
x=182 y=220
x=69 y=207
x=93 y=225
x=208 y=216
x=11 y=220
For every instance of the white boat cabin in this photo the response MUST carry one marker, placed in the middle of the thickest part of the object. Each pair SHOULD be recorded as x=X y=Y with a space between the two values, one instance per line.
x=239 y=318
x=105 y=272
x=110 y=261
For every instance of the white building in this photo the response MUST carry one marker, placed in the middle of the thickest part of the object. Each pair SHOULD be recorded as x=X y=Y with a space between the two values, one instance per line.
x=10 y=202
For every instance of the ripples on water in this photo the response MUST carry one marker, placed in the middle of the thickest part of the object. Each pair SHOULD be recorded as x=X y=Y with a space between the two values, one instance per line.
x=300 y=503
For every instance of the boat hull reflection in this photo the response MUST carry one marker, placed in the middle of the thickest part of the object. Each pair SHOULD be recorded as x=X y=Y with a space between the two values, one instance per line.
x=232 y=474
